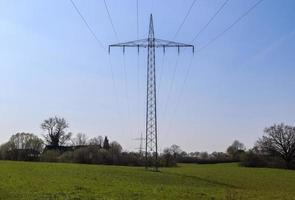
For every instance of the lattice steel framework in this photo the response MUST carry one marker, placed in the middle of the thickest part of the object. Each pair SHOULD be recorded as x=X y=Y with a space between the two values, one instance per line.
x=151 y=147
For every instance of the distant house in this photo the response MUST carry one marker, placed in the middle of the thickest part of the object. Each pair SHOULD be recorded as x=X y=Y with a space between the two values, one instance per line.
x=63 y=149
x=23 y=154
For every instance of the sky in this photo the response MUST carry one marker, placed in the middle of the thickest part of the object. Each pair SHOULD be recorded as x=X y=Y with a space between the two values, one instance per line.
x=51 y=65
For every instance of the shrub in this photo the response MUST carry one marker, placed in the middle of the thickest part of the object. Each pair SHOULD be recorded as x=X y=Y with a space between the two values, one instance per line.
x=252 y=159
x=4 y=155
x=50 y=156
x=255 y=159
x=83 y=155
x=167 y=160
x=66 y=157
x=131 y=159
x=92 y=155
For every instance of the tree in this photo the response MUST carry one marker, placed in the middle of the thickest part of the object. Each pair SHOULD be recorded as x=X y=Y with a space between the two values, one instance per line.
x=80 y=140
x=204 y=155
x=55 y=128
x=96 y=141
x=4 y=149
x=194 y=154
x=22 y=146
x=279 y=140
x=236 y=149
x=106 y=144
x=26 y=141
x=167 y=158
x=218 y=156
x=116 y=150
x=175 y=150
x=115 y=147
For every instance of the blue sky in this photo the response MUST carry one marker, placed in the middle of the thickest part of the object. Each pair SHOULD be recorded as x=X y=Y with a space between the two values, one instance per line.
x=51 y=65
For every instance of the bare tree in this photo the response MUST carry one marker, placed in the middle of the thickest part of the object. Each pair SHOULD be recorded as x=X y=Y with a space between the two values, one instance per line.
x=80 y=139
x=175 y=149
x=55 y=128
x=22 y=146
x=26 y=141
x=96 y=141
x=279 y=140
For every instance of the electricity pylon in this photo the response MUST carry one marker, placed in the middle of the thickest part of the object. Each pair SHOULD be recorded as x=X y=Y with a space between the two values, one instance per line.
x=151 y=136
x=141 y=139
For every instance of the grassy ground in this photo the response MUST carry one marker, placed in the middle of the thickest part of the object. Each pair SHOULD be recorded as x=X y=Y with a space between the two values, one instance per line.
x=24 y=180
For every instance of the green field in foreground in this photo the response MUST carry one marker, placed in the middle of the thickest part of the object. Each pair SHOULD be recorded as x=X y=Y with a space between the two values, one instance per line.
x=25 y=180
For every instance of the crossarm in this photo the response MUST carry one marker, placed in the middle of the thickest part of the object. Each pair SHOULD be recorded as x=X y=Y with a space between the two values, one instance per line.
x=157 y=43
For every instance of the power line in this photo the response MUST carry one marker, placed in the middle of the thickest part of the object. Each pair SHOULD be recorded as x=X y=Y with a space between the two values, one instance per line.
x=171 y=86
x=179 y=97
x=161 y=73
x=138 y=69
x=87 y=25
x=190 y=62
x=110 y=19
x=210 y=20
x=102 y=46
x=114 y=85
x=124 y=61
x=211 y=41
x=184 y=19
x=126 y=87
x=138 y=94
x=137 y=22
x=230 y=26
x=175 y=67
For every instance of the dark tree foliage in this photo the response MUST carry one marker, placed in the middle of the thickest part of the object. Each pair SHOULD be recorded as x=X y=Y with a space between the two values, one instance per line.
x=252 y=159
x=168 y=158
x=55 y=128
x=279 y=140
x=235 y=150
x=106 y=144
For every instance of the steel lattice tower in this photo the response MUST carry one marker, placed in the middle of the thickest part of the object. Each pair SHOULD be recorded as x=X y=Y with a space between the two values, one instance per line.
x=151 y=137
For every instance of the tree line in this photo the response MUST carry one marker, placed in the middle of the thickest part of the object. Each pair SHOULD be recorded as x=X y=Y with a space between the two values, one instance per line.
x=275 y=149
x=57 y=145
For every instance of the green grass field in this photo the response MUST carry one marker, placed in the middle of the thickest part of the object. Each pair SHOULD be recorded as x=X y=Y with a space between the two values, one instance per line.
x=25 y=180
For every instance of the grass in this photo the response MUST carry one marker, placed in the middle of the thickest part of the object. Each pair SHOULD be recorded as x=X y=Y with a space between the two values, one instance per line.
x=27 y=180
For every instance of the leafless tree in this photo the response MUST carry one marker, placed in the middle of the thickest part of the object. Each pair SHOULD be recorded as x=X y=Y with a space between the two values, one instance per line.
x=55 y=128
x=80 y=139
x=175 y=149
x=22 y=146
x=26 y=141
x=279 y=140
x=96 y=141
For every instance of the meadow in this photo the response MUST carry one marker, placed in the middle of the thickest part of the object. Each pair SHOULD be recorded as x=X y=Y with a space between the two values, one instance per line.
x=29 y=180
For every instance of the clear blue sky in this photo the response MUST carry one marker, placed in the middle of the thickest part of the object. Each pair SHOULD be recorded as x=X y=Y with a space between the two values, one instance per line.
x=51 y=65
